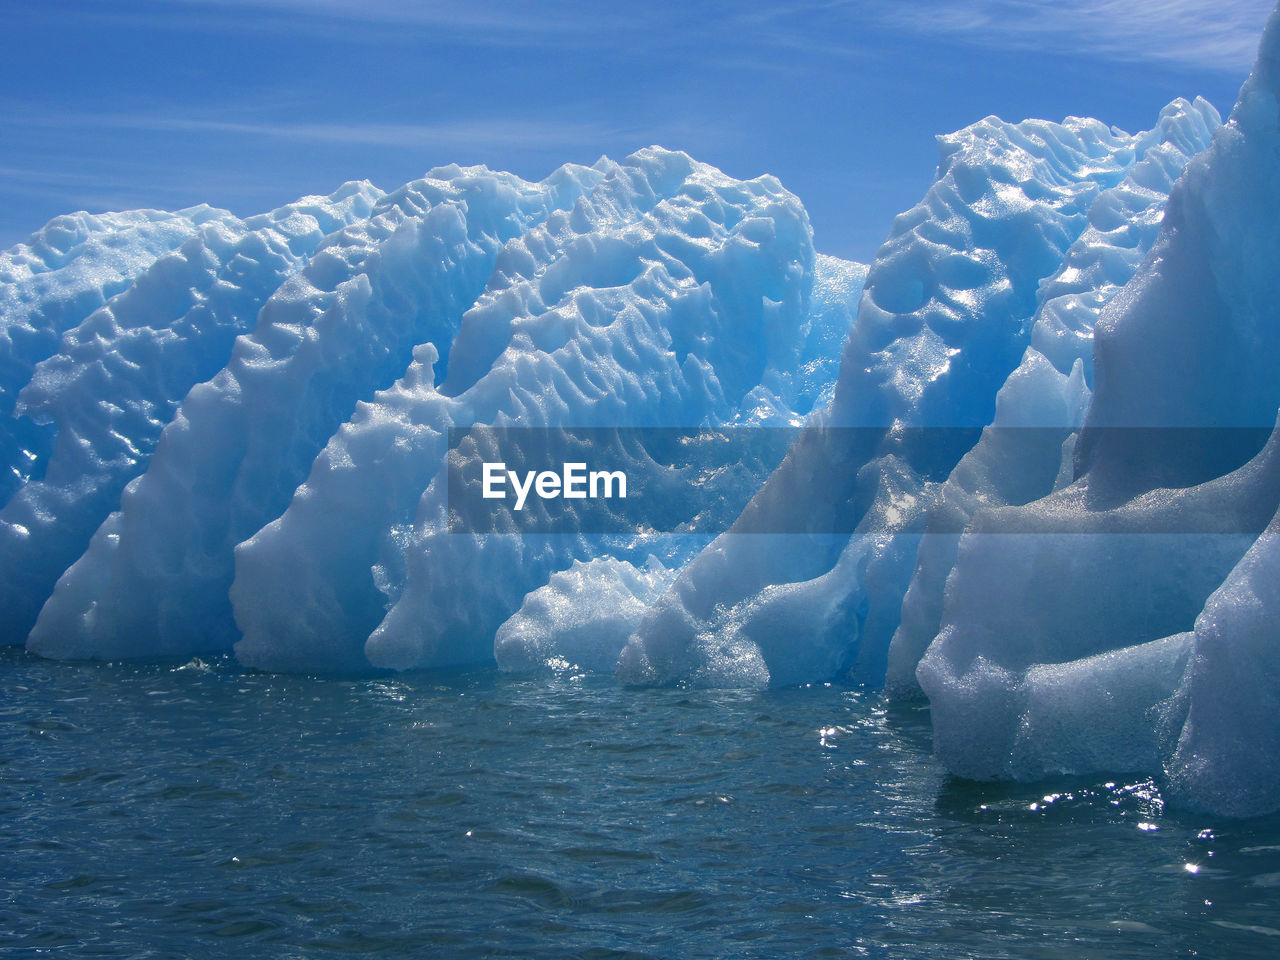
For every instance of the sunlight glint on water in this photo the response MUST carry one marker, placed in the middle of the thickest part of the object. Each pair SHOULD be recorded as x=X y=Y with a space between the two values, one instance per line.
x=202 y=810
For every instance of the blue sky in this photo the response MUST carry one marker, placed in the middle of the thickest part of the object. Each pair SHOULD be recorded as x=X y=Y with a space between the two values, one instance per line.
x=247 y=104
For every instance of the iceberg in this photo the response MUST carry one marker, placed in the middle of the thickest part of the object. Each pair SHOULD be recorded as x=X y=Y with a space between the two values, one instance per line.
x=1031 y=471
x=1028 y=451
x=1027 y=231
x=118 y=376
x=222 y=423
x=1148 y=570
x=155 y=577
x=670 y=295
x=50 y=284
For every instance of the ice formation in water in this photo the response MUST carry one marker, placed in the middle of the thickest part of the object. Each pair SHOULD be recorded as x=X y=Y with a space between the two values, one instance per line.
x=285 y=367
x=693 y=308
x=582 y=618
x=1027 y=232
x=1031 y=476
x=118 y=376
x=50 y=285
x=628 y=309
x=155 y=578
x=1166 y=654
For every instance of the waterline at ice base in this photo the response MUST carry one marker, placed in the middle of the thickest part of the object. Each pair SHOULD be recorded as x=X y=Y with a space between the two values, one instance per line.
x=1032 y=479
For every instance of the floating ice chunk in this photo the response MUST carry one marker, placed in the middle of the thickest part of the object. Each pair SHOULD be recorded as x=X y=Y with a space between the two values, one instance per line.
x=582 y=617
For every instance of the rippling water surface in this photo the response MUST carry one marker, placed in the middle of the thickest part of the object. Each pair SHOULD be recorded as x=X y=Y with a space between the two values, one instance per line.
x=202 y=811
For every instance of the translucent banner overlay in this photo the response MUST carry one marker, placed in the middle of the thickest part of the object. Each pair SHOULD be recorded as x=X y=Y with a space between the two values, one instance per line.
x=644 y=481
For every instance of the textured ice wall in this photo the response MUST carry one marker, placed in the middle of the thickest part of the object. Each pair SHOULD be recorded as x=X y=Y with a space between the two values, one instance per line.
x=118 y=377
x=669 y=295
x=155 y=577
x=1192 y=341
x=1027 y=230
x=49 y=284
x=655 y=292
x=1224 y=757
x=1029 y=448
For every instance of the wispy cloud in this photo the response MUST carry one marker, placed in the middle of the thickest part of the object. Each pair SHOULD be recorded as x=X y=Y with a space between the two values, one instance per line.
x=456 y=134
x=444 y=14
x=114 y=187
x=1202 y=33
x=486 y=23
x=465 y=133
x=1208 y=34
x=480 y=138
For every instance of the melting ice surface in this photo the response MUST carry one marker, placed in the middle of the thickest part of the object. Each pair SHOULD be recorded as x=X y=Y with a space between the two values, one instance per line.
x=235 y=435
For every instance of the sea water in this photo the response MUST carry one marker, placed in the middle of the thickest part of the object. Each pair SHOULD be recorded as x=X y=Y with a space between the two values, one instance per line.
x=200 y=810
